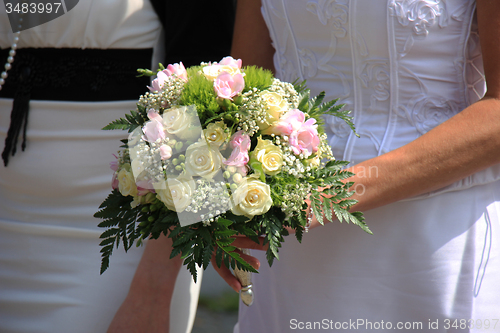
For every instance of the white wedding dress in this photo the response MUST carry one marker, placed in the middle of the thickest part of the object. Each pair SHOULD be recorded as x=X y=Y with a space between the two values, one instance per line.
x=49 y=239
x=402 y=67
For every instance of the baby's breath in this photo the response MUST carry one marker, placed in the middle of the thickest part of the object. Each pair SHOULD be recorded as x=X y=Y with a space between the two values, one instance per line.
x=209 y=200
x=293 y=198
x=251 y=112
x=168 y=96
x=286 y=91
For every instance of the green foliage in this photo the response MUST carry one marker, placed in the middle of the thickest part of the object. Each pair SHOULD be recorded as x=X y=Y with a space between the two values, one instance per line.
x=200 y=92
x=119 y=220
x=336 y=110
x=225 y=252
x=316 y=109
x=131 y=121
x=256 y=77
x=299 y=86
x=274 y=232
x=335 y=197
x=145 y=72
x=331 y=174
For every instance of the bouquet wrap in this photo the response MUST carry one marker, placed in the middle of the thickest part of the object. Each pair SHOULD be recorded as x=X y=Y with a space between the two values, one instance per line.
x=245 y=278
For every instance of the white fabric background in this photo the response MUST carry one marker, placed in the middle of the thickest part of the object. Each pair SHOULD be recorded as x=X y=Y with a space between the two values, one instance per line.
x=49 y=252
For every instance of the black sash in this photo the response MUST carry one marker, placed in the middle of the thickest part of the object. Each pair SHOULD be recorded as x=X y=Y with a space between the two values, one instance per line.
x=69 y=75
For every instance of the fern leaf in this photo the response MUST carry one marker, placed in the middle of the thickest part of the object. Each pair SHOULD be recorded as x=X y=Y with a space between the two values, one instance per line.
x=121 y=124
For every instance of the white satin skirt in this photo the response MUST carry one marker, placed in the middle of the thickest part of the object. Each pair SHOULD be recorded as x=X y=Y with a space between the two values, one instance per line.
x=432 y=265
x=49 y=239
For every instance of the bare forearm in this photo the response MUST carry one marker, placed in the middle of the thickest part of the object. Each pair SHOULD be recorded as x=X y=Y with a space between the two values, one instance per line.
x=147 y=305
x=156 y=270
x=463 y=145
x=251 y=40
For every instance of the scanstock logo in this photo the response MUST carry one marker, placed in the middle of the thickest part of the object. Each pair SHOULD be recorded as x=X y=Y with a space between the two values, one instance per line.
x=26 y=14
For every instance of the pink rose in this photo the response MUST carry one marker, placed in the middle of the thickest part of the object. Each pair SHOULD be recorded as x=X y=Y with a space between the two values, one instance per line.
x=306 y=139
x=229 y=61
x=227 y=86
x=114 y=181
x=159 y=82
x=239 y=158
x=303 y=135
x=289 y=122
x=114 y=164
x=165 y=152
x=178 y=70
x=153 y=129
x=240 y=138
x=154 y=115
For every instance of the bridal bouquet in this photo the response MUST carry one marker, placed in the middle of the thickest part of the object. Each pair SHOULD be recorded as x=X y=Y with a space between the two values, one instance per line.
x=217 y=150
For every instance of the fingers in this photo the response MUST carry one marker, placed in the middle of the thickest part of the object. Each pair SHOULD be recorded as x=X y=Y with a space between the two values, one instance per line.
x=254 y=262
x=226 y=273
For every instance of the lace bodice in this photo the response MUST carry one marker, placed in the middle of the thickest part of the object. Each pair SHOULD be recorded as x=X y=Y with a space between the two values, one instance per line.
x=401 y=66
x=408 y=67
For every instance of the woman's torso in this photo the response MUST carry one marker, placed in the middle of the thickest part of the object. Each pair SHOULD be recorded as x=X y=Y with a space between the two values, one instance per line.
x=92 y=24
x=401 y=66
x=63 y=174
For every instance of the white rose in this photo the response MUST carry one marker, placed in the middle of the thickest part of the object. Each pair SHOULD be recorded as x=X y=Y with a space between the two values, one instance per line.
x=203 y=160
x=269 y=155
x=276 y=105
x=252 y=197
x=211 y=72
x=183 y=122
x=215 y=133
x=126 y=181
x=175 y=193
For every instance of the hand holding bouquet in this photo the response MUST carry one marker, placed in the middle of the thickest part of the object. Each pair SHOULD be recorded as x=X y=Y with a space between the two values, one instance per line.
x=218 y=150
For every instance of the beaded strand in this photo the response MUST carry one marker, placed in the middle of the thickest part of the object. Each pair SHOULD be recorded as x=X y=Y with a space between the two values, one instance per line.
x=12 y=53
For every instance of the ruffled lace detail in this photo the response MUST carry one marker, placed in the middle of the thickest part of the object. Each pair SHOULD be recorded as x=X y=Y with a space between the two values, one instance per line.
x=426 y=112
x=419 y=15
